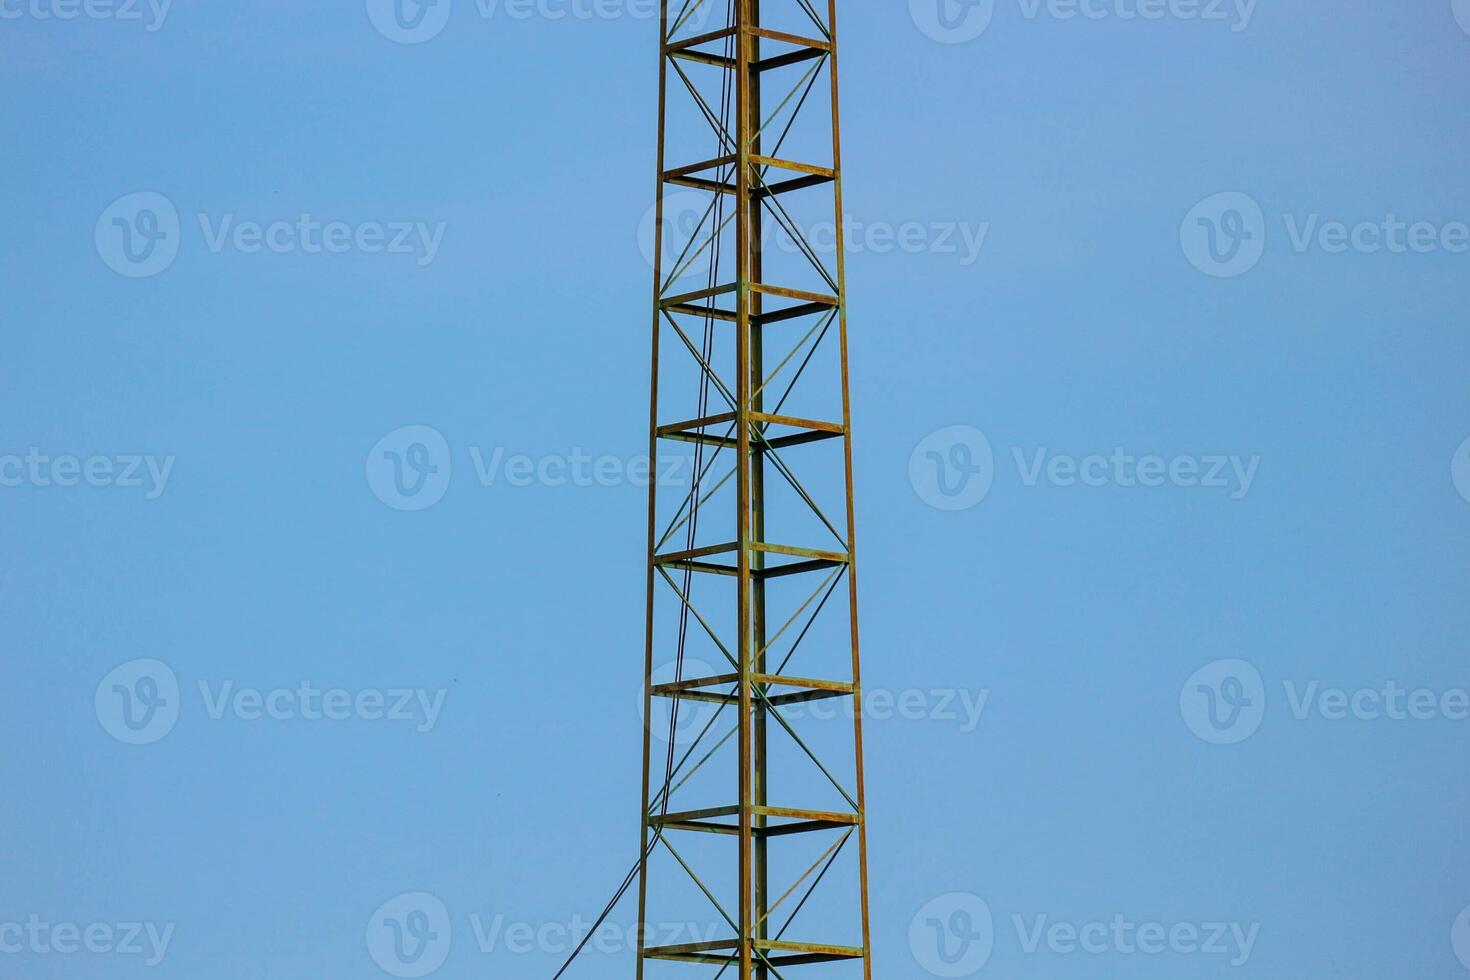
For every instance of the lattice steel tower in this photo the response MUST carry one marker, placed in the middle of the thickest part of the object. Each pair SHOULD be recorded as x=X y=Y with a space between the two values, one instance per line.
x=751 y=554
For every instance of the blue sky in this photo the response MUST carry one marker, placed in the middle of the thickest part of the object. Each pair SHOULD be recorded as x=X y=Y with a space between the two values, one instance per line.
x=1158 y=345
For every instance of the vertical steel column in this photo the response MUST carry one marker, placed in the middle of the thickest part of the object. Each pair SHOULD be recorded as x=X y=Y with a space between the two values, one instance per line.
x=744 y=277
x=750 y=126
x=857 y=676
x=645 y=830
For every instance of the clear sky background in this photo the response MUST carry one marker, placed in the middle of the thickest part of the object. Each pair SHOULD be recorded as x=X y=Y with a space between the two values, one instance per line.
x=1086 y=324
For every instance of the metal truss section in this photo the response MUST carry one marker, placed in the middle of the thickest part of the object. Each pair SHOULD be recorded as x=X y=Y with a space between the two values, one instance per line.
x=755 y=562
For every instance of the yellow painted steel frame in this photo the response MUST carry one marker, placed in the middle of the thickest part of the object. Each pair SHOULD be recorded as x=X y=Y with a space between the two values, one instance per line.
x=752 y=688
